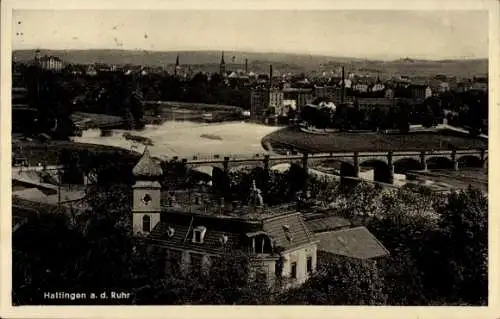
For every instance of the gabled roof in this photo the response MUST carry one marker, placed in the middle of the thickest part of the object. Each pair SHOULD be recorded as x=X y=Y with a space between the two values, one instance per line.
x=147 y=167
x=327 y=223
x=33 y=194
x=355 y=242
x=297 y=230
x=237 y=232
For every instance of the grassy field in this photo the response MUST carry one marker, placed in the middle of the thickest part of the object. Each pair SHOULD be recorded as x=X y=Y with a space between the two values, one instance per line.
x=49 y=152
x=92 y=120
x=349 y=142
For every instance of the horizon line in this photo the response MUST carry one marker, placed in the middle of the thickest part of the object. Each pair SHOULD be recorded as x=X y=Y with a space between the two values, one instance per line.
x=324 y=55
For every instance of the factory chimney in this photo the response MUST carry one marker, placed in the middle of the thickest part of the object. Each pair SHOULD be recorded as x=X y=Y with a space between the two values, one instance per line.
x=270 y=76
x=342 y=92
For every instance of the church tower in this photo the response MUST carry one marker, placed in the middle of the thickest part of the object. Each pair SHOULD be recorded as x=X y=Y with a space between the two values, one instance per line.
x=177 y=65
x=222 y=67
x=146 y=206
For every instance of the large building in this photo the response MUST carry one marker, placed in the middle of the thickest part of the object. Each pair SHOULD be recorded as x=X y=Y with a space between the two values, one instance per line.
x=264 y=99
x=50 y=63
x=190 y=232
x=302 y=96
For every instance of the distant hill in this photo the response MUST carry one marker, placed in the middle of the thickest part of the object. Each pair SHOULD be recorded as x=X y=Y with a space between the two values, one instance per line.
x=259 y=62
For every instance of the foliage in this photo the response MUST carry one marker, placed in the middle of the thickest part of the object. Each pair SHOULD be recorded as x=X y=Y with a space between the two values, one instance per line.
x=341 y=282
x=437 y=244
x=464 y=224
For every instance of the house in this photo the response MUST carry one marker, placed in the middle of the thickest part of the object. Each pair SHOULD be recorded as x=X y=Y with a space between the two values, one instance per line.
x=353 y=243
x=443 y=87
x=191 y=232
x=389 y=93
x=302 y=96
x=378 y=87
x=420 y=91
x=480 y=86
x=261 y=99
x=191 y=235
x=339 y=238
x=51 y=63
x=369 y=103
x=361 y=87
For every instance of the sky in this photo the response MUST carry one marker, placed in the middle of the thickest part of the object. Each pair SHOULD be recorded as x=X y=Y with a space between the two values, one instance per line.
x=386 y=34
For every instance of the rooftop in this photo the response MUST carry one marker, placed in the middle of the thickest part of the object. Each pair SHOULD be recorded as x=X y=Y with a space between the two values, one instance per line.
x=355 y=242
x=202 y=204
x=147 y=167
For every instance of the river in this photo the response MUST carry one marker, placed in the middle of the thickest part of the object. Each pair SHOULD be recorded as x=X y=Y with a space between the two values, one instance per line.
x=188 y=139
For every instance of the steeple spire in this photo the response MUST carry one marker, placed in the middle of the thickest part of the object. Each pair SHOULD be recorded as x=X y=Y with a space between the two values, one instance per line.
x=176 y=64
x=222 y=67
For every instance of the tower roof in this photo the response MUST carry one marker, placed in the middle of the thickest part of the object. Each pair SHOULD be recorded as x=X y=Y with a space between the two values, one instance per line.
x=147 y=167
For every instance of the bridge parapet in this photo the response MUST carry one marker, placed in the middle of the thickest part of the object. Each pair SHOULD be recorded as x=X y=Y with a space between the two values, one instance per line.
x=355 y=159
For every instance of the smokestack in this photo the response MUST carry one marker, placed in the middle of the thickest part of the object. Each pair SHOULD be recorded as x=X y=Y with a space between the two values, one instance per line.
x=343 y=87
x=270 y=76
x=246 y=66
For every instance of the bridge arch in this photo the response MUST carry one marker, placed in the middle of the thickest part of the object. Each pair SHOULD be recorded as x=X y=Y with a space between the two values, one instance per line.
x=406 y=164
x=469 y=161
x=341 y=167
x=381 y=171
x=439 y=162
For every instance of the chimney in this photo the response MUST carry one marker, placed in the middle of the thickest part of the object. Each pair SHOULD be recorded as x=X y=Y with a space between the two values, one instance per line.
x=270 y=76
x=343 y=87
x=246 y=66
x=221 y=205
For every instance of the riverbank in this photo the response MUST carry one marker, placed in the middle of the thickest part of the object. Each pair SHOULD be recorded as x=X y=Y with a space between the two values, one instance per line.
x=292 y=138
x=188 y=139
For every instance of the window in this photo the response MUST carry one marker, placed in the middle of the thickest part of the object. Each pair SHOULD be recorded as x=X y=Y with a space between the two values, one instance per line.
x=309 y=264
x=199 y=234
x=261 y=245
x=196 y=261
x=293 y=270
x=170 y=231
x=146 y=223
x=174 y=260
x=147 y=199
x=261 y=276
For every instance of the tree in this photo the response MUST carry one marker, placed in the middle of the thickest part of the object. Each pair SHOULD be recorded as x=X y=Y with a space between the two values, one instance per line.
x=341 y=282
x=464 y=222
x=403 y=118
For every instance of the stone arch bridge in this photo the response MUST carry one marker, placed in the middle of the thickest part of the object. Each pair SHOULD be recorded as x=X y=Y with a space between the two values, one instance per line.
x=384 y=163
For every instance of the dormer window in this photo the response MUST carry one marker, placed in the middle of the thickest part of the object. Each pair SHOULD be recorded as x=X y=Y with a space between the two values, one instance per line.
x=170 y=232
x=199 y=234
x=147 y=199
x=288 y=235
x=261 y=243
x=223 y=239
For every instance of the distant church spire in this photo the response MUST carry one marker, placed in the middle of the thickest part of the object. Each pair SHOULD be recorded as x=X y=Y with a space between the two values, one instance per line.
x=222 y=65
x=176 y=64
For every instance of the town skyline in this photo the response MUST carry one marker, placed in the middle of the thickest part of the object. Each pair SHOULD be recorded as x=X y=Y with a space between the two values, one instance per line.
x=449 y=35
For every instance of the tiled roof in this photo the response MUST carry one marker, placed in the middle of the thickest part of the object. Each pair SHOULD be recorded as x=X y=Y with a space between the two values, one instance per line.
x=237 y=231
x=183 y=235
x=355 y=242
x=33 y=194
x=376 y=101
x=147 y=167
x=327 y=223
x=297 y=230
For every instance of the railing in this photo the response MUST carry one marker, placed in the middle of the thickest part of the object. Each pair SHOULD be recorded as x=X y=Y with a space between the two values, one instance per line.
x=199 y=159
